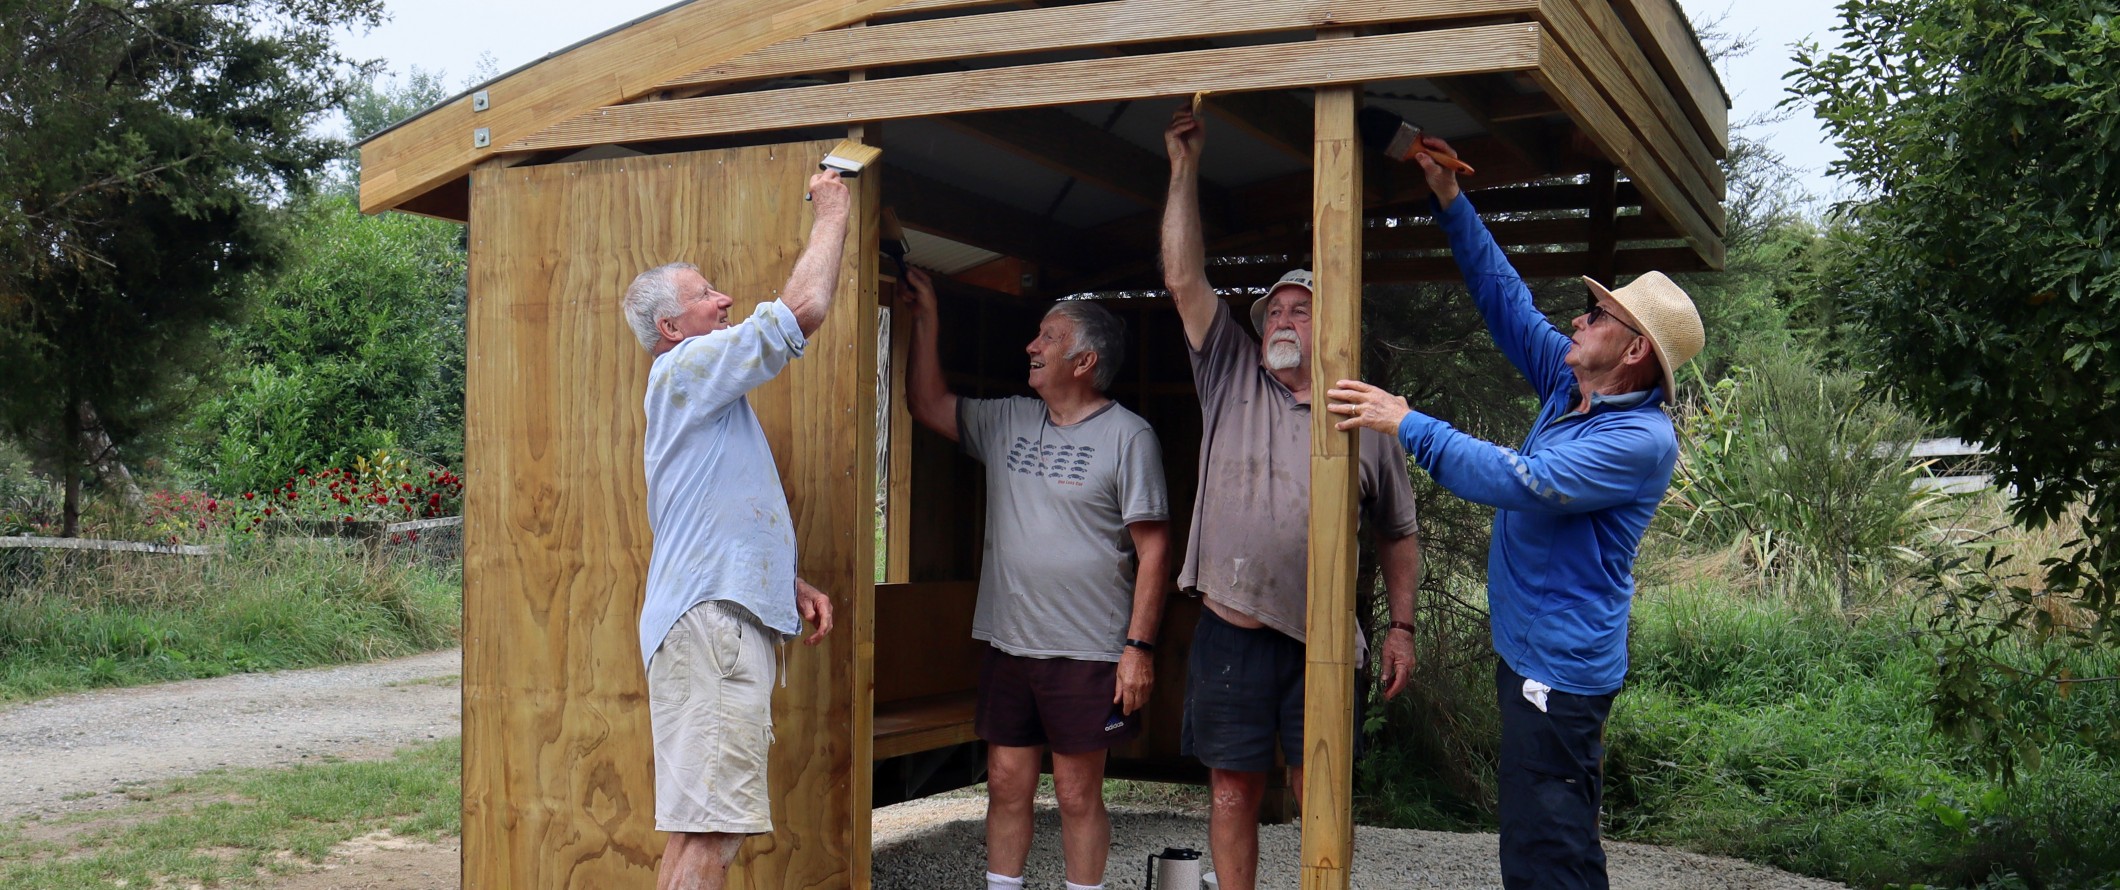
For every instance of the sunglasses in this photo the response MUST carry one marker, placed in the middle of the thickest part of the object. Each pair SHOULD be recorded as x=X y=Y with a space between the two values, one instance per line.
x=1598 y=311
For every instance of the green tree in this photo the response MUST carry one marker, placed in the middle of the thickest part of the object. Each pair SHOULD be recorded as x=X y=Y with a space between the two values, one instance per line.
x=356 y=345
x=1982 y=136
x=144 y=145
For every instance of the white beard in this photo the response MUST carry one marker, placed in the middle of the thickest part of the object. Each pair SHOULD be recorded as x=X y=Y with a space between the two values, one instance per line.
x=1281 y=355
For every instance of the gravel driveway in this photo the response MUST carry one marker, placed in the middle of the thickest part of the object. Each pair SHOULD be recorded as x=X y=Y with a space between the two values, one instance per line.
x=82 y=752
x=79 y=752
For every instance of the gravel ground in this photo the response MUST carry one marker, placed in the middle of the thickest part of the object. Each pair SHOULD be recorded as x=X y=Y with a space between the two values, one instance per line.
x=80 y=752
x=940 y=843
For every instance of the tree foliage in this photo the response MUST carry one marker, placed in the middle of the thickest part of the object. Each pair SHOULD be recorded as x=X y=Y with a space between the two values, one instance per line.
x=143 y=147
x=1983 y=136
x=356 y=345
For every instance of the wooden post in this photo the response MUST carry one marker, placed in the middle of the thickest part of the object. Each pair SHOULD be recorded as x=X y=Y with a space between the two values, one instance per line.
x=1336 y=327
x=1603 y=246
x=898 y=478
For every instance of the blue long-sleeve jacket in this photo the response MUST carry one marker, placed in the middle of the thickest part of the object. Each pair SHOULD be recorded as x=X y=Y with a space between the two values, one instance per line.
x=1572 y=502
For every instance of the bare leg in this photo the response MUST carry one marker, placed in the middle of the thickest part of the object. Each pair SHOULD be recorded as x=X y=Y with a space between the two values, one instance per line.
x=1233 y=826
x=1011 y=783
x=1085 y=826
x=697 y=861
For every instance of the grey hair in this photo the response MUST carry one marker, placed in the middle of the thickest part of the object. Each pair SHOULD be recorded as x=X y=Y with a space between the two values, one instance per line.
x=1096 y=330
x=653 y=297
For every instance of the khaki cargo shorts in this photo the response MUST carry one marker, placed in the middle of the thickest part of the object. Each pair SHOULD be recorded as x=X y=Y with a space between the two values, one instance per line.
x=710 y=698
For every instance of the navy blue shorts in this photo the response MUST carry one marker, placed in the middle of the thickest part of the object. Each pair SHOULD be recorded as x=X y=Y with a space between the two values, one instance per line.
x=1243 y=693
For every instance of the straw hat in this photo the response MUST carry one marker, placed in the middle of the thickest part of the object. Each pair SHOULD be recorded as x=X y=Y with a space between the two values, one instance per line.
x=1294 y=278
x=1666 y=316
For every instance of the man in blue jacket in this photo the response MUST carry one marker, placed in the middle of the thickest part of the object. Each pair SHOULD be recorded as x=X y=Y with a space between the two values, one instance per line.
x=1572 y=504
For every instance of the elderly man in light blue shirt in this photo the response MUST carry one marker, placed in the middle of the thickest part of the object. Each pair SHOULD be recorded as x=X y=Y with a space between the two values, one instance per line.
x=722 y=593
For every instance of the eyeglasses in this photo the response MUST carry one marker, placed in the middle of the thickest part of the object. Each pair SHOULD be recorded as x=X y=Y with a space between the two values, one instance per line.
x=1597 y=311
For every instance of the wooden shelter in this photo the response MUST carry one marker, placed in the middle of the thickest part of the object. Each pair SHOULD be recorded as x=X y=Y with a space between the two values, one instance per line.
x=1023 y=151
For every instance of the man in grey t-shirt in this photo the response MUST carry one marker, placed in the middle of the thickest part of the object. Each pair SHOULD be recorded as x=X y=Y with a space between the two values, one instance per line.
x=1248 y=555
x=1072 y=584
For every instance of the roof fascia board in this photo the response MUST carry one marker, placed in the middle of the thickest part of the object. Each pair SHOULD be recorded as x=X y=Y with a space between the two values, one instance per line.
x=441 y=145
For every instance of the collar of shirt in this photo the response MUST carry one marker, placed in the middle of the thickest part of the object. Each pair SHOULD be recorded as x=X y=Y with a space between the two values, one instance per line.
x=1600 y=400
x=1288 y=395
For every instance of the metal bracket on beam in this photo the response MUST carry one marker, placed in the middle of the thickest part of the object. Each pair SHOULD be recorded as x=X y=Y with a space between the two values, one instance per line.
x=481 y=137
x=480 y=101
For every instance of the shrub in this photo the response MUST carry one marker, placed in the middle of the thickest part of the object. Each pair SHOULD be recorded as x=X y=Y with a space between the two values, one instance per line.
x=1806 y=476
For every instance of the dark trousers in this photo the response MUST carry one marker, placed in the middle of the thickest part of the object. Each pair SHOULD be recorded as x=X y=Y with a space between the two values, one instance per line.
x=1552 y=782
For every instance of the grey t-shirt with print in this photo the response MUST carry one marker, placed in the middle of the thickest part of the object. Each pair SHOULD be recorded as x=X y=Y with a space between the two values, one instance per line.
x=1057 y=578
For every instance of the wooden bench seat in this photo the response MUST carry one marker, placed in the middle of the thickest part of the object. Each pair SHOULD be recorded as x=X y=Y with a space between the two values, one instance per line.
x=923 y=724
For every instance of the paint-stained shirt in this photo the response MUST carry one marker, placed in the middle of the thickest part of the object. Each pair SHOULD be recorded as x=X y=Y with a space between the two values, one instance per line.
x=715 y=505
x=1249 y=544
x=1057 y=577
x=1573 y=500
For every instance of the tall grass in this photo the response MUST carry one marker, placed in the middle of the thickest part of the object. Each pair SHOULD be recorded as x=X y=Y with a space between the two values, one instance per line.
x=78 y=620
x=1804 y=741
x=1803 y=475
x=1795 y=738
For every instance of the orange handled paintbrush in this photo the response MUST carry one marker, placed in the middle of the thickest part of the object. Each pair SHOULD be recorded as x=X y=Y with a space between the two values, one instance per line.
x=1400 y=140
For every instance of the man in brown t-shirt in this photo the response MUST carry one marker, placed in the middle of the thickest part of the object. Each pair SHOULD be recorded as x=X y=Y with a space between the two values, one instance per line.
x=1247 y=552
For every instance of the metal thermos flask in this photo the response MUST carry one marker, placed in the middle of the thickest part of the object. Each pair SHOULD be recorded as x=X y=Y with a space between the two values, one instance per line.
x=1176 y=868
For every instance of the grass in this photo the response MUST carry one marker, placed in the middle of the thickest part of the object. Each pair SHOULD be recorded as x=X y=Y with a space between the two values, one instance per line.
x=74 y=621
x=1799 y=740
x=1804 y=742
x=234 y=826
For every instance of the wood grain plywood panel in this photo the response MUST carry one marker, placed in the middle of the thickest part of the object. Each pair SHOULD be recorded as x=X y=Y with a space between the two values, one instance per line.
x=558 y=759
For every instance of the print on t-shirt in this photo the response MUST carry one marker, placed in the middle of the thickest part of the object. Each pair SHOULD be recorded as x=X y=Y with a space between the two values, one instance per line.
x=1063 y=464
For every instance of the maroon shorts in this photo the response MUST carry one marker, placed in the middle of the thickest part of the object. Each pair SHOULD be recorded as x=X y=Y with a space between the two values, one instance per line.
x=1063 y=703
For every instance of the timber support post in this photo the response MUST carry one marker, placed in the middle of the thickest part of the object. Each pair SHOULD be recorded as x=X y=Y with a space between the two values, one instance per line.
x=1336 y=326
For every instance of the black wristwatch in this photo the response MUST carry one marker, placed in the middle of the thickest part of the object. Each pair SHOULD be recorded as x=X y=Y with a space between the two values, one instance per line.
x=1142 y=645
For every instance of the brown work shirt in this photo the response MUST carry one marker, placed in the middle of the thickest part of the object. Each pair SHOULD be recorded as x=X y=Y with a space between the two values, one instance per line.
x=1248 y=548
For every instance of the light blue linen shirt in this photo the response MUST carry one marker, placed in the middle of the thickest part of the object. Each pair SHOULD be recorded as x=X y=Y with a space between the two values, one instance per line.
x=715 y=505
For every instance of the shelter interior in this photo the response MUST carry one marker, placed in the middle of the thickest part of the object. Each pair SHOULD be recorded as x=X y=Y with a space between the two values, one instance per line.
x=1022 y=151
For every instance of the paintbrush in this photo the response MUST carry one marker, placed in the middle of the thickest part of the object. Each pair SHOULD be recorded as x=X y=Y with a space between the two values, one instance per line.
x=890 y=239
x=849 y=158
x=1399 y=139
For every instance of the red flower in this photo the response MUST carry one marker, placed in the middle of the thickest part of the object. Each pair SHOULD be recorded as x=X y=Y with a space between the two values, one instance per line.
x=250 y=495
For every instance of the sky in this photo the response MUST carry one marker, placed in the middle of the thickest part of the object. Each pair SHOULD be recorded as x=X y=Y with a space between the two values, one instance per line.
x=454 y=36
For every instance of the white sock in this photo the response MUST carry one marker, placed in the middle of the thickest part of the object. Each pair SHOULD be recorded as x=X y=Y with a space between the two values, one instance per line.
x=1074 y=886
x=1003 y=882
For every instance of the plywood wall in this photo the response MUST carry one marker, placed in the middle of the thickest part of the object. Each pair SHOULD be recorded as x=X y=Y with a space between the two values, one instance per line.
x=558 y=782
